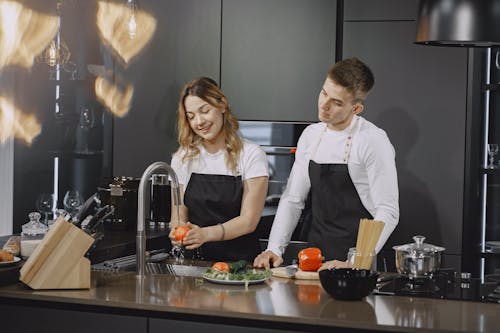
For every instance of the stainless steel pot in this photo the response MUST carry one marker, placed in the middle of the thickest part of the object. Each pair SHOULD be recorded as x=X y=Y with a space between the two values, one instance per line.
x=417 y=260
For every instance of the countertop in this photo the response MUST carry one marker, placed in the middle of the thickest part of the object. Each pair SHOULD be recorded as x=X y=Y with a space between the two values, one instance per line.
x=277 y=303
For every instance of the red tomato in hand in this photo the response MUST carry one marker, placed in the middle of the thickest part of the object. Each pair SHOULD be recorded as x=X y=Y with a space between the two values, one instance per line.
x=310 y=259
x=221 y=266
x=180 y=232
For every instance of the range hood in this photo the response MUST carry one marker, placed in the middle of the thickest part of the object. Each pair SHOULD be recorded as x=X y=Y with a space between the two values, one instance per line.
x=459 y=23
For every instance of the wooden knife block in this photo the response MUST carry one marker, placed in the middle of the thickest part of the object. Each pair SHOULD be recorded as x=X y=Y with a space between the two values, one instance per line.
x=58 y=262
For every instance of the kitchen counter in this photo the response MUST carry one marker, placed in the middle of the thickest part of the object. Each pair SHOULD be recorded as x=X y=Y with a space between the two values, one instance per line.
x=121 y=302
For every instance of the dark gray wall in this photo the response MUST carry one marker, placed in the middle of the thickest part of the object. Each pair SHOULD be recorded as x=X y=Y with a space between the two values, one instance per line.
x=186 y=45
x=271 y=58
x=419 y=98
x=275 y=55
x=274 y=58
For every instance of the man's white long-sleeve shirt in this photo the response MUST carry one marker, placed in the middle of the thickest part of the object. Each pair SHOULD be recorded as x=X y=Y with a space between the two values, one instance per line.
x=371 y=167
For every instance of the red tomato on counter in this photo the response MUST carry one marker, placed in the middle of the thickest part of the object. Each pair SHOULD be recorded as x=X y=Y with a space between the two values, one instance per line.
x=221 y=266
x=310 y=259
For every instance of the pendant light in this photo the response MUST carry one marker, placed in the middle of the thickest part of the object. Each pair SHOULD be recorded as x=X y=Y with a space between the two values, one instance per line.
x=57 y=52
x=460 y=23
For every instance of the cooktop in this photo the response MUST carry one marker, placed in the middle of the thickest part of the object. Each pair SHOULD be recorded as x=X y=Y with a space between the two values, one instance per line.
x=446 y=284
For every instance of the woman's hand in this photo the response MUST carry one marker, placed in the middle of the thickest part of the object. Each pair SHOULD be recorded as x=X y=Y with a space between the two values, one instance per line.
x=335 y=264
x=195 y=237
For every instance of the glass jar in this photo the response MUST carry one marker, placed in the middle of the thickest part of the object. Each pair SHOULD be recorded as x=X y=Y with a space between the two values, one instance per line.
x=32 y=234
x=351 y=255
x=160 y=201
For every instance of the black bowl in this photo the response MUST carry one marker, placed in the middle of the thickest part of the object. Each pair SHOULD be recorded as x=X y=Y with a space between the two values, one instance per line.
x=348 y=283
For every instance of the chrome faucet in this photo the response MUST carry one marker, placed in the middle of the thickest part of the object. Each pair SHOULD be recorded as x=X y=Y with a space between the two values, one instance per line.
x=141 y=209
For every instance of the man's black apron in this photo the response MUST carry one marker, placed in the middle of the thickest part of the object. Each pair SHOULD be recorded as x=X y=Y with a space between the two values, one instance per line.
x=214 y=199
x=336 y=208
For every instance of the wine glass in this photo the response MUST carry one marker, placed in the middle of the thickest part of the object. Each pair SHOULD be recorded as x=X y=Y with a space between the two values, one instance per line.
x=86 y=123
x=492 y=151
x=45 y=205
x=72 y=202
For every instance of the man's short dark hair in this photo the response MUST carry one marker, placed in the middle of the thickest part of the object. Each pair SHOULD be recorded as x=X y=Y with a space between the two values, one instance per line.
x=354 y=75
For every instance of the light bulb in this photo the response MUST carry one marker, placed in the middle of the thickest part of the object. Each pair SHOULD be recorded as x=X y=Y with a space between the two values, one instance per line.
x=52 y=54
x=132 y=23
x=132 y=27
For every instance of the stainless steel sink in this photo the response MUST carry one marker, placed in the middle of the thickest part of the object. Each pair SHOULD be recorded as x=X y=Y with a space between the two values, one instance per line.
x=174 y=269
x=128 y=263
x=156 y=264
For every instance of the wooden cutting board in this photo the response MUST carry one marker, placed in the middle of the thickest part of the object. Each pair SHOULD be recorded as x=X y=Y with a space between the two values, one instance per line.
x=299 y=275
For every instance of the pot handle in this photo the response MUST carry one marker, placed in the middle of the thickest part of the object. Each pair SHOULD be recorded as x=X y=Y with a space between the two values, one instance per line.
x=419 y=240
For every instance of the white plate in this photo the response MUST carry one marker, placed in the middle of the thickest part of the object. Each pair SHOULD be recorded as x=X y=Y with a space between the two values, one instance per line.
x=235 y=282
x=7 y=263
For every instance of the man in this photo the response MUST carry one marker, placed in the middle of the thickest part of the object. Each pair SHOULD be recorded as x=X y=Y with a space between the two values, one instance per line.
x=348 y=165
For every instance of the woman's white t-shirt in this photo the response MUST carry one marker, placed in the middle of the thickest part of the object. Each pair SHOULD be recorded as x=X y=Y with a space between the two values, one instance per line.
x=252 y=163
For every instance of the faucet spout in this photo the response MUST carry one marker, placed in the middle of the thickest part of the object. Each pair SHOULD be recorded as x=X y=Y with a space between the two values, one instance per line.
x=141 y=209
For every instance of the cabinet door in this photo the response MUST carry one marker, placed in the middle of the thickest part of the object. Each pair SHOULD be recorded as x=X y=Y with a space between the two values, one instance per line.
x=46 y=319
x=419 y=99
x=380 y=10
x=275 y=56
x=186 y=45
x=168 y=325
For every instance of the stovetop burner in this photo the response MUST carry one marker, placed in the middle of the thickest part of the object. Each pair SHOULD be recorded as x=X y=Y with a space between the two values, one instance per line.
x=420 y=286
x=446 y=284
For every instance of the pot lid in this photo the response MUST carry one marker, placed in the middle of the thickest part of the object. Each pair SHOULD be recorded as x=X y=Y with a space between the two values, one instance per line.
x=419 y=247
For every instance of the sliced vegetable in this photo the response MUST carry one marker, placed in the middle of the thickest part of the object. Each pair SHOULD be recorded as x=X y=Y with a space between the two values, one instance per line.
x=249 y=275
x=310 y=259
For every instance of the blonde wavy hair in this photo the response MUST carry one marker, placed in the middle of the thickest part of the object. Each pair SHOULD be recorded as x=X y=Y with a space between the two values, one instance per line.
x=208 y=90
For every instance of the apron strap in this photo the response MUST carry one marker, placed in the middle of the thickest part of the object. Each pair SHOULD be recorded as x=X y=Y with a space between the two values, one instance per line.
x=348 y=143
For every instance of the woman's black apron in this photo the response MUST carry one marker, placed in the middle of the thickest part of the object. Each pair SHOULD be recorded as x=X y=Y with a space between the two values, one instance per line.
x=336 y=207
x=214 y=199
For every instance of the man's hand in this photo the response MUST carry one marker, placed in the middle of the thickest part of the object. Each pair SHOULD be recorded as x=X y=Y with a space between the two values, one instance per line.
x=266 y=258
x=334 y=264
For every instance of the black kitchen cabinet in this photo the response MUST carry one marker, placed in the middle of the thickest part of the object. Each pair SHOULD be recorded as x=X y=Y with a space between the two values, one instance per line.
x=419 y=99
x=491 y=251
x=270 y=57
x=482 y=237
x=58 y=320
x=186 y=45
x=161 y=325
x=275 y=55
x=380 y=10
x=71 y=152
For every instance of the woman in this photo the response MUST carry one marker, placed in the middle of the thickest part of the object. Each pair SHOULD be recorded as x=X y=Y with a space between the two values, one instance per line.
x=223 y=177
